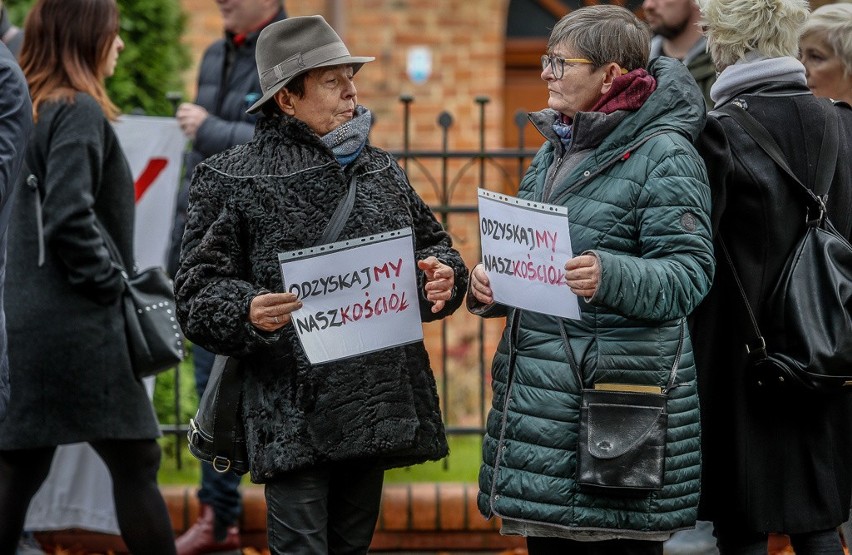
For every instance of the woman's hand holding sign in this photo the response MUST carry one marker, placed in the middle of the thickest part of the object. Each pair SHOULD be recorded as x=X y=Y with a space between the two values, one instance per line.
x=271 y=311
x=583 y=274
x=440 y=279
x=480 y=286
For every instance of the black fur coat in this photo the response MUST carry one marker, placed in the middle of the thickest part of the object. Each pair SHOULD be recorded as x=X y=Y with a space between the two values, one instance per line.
x=276 y=194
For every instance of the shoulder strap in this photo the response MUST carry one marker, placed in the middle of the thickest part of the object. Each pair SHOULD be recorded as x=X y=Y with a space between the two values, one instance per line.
x=112 y=249
x=341 y=214
x=824 y=176
x=760 y=347
x=572 y=362
x=827 y=155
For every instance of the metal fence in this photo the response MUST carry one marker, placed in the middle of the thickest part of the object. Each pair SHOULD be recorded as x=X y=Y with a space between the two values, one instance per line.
x=460 y=346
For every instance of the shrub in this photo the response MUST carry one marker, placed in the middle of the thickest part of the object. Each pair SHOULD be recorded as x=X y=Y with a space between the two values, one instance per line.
x=153 y=58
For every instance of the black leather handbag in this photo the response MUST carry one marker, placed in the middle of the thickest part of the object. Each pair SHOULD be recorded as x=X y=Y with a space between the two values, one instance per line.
x=216 y=434
x=806 y=344
x=621 y=447
x=153 y=335
x=622 y=442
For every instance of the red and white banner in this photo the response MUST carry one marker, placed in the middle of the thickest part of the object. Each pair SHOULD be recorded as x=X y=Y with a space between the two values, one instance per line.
x=154 y=148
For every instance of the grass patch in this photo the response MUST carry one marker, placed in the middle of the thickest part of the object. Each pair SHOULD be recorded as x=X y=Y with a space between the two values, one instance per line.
x=461 y=466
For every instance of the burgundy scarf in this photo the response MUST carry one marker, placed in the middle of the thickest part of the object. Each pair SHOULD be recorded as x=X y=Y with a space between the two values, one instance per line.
x=628 y=92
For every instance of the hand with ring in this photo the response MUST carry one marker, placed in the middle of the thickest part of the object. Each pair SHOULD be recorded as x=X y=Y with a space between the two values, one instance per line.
x=271 y=311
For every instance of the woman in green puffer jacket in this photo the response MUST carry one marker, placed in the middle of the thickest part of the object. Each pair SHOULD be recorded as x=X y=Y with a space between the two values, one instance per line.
x=619 y=157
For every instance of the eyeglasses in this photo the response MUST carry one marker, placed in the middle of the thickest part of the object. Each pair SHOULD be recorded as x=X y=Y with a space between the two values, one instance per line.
x=557 y=65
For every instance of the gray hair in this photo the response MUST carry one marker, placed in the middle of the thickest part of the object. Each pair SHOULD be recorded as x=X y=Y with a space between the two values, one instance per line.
x=604 y=34
x=832 y=24
x=737 y=27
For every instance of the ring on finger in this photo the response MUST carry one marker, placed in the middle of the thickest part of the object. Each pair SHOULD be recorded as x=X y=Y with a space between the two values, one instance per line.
x=275 y=319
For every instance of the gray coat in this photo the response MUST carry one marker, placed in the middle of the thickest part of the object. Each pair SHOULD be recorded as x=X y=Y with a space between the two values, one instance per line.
x=71 y=377
x=16 y=123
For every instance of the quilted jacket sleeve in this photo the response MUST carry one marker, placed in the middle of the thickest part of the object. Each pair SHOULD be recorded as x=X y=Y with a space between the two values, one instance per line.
x=676 y=266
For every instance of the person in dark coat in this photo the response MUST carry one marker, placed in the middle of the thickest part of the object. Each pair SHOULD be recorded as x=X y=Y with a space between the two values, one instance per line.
x=71 y=375
x=16 y=124
x=773 y=462
x=216 y=121
x=319 y=436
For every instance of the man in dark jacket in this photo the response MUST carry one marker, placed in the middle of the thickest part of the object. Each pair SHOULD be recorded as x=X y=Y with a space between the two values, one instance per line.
x=227 y=86
x=677 y=35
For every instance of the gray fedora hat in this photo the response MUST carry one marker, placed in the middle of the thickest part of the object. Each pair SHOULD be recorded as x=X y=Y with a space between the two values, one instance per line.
x=293 y=46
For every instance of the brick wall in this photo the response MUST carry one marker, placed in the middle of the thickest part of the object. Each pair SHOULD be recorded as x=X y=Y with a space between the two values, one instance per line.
x=466 y=39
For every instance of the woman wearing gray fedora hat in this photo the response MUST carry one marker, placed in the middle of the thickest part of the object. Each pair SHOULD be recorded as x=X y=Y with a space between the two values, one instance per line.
x=319 y=436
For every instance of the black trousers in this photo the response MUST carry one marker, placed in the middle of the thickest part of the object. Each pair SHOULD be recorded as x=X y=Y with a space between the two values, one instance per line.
x=559 y=546
x=330 y=509
x=141 y=511
x=740 y=542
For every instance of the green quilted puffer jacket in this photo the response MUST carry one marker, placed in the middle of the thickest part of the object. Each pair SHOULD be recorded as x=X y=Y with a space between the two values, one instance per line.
x=640 y=202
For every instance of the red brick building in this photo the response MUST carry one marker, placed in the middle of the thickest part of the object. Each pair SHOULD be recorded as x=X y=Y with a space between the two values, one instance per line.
x=477 y=47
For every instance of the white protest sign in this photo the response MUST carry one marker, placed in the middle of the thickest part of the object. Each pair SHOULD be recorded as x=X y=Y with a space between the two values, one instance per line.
x=358 y=296
x=154 y=149
x=525 y=245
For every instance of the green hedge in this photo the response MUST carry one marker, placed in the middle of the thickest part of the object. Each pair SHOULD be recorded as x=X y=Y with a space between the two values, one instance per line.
x=153 y=59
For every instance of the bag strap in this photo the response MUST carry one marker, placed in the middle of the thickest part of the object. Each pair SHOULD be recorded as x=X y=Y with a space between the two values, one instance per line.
x=227 y=408
x=114 y=254
x=341 y=214
x=827 y=154
x=824 y=176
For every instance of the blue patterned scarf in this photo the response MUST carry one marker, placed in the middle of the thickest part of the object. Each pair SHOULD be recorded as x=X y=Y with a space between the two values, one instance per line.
x=347 y=141
x=564 y=130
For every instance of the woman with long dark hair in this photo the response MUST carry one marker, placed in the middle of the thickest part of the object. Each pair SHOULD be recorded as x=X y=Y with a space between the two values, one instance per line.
x=71 y=376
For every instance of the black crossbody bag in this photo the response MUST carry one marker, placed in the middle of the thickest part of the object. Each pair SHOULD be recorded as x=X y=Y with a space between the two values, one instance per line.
x=621 y=446
x=216 y=434
x=807 y=344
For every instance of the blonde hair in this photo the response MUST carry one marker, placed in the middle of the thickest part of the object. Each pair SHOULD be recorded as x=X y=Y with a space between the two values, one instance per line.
x=737 y=27
x=832 y=24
